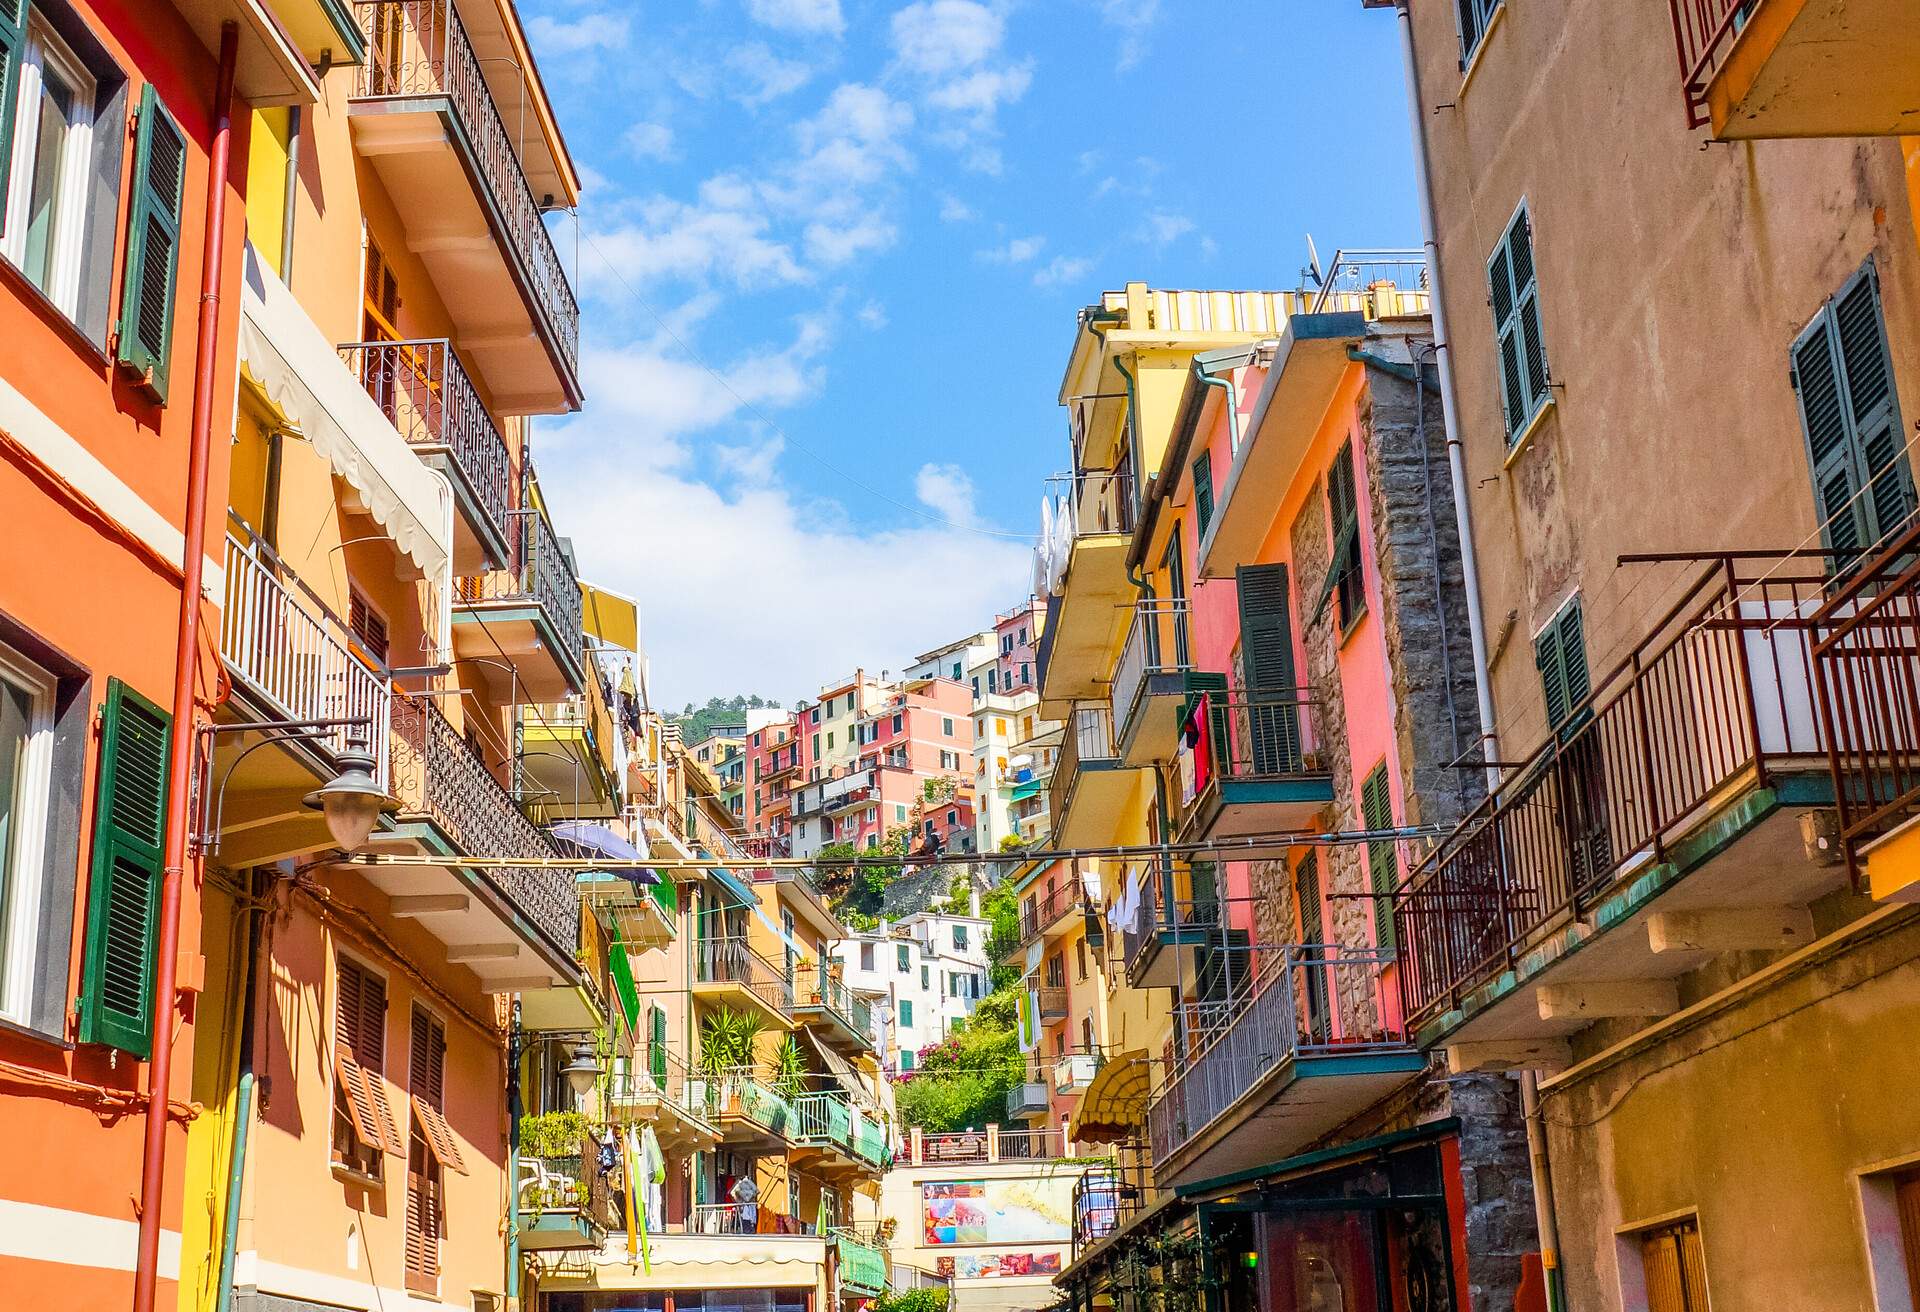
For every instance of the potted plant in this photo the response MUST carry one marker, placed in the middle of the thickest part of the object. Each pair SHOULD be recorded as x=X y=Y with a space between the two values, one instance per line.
x=788 y=1075
x=726 y=1049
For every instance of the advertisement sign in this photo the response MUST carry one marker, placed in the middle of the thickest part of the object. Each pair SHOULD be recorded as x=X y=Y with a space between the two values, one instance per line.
x=985 y=1266
x=998 y=1211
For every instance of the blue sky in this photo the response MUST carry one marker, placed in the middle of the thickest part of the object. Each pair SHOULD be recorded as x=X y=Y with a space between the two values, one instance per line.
x=830 y=255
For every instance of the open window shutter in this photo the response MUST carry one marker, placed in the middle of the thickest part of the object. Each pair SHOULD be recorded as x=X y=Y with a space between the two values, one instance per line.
x=1202 y=494
x=1470 y=28
x=1376 y=812
x=1575 y=678
x=1526 y=294
x=123 y=898
x=1830 y=449
x=1306 y=888
x=1266 y=646
x=13 y=22
x=1506 y=330
x=153 y=245
x=1553 y=683
x=1860 y=334
x=657 y=1049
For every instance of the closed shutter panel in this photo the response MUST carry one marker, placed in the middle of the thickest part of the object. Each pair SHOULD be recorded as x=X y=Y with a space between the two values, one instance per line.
x=1674 y=1267
x=1830 y=447
x=13 y=21
x=1266 y=644
x=1306 y=886
x=1383 y=867
x=153 y=245
x=1861 y=337
x=123 y=898
x=1202 y=494
x=657 y=1050
x=423 y=1219
x=1513 y=293
x=1560 y=654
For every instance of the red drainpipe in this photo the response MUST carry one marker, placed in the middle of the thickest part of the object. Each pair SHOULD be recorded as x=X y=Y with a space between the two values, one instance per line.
x=153 y=1164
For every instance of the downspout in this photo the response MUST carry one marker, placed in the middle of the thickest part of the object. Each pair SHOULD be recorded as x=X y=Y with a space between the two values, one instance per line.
x=243 y=1100
x=1545 y=1218
x=1233 y=400
x=291 y=195
x=180 y=747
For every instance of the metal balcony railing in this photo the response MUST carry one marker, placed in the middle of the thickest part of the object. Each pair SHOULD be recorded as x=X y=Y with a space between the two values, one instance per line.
x=1098 y=501
x=1104 y=1199
x=419 y=48
x=1721 y=688
x=437 y=776
x=1053 y=1002
x=814 y=987
x=1703 y=33
x=1380 y=283
x=1160 y=915
x=822 y=1118
x=1156 y=644
x=541 y=573
x=423 y=390
x=1058 y=899
x=1032 y=1145
x=1253 y=735
x=1303 y=999
x=1027 y=1099
x=1087 y=740
x=283 y=643
x=659 y=1075
x=1075 y=1071
x=744 y=1219
x=733 y=961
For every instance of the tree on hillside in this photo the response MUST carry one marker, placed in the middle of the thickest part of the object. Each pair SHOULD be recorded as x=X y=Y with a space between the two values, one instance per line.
x=697 y=722
x=962 y=1082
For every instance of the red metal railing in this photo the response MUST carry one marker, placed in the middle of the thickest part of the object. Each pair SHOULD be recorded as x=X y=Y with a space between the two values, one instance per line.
x=1720 y=687
x=1866 y=652
x=1703 y=32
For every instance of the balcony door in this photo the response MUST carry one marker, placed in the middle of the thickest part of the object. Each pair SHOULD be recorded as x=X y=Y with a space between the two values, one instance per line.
x=1270 y=736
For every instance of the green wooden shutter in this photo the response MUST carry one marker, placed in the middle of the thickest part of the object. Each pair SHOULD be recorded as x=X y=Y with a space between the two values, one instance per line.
x=1861 y=333
x=1513 y=292
x=13 y=23
x=153 y=245
x=657 y=1043
x=1202 y=494
x=1376 y=812
x=1266 y=648
x=1560 y=654
x=123 y=897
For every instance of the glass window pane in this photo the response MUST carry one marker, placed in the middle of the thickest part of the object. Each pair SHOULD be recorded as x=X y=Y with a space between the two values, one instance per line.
x=50 y=149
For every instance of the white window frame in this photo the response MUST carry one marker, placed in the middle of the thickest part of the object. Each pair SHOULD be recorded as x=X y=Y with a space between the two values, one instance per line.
x=26 y=861
x=68 y=240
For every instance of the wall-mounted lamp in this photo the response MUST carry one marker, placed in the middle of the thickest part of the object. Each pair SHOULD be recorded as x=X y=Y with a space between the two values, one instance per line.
x=351 y=801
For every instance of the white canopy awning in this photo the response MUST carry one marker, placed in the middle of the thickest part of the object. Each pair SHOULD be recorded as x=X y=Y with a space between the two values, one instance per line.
x=286 y=355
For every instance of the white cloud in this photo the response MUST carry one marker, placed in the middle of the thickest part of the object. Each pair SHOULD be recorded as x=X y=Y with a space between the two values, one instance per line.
x=763 y=76
x=873 y=315
x=939 y=37
x=952 y=50
x=983 y=91
x=597 y=31
x=1018 y=251
x=1161 y=228
x=719 y=236
x=650 y=141
x=1133 y=19
x=810 y=16
x=832 y=244
x=1062 y=269
x=947 y=491
x=955 y=210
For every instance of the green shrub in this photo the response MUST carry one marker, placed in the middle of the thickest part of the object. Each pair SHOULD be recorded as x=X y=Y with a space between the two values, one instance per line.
x=912 y=1300
x=552 y=1134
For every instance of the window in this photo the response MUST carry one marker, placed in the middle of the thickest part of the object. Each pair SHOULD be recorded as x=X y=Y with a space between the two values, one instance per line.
x=816 y=744
x=1863 y=483
x=1306 y=896
x=1006 y=644
x=903 y=958
x=431 y=1152
x=959 y=938
x=866 y=956
x=976 y=685
x=1202 y=494
x=1344 y=578
x=1026 y=673
x=906 y=1012
x=1560 y=654
x=1023 y=635
x=26 y=759
x=1080 y=959
x=1383 y=859
x=816 y=719
x=1514 y=295
x=1674 y=1267
x=46 y=187
x=926 y=981
x=364 y=1128
x=906 y=1059
x=829 y=740
x=1475 y=17
x=992 y=680
x=897 y=722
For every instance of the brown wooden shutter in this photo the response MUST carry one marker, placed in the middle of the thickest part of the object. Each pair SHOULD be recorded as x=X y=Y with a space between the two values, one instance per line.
x=1906 y=1198
x=423 y=1219
x=360 y=1036
x=428 y=1082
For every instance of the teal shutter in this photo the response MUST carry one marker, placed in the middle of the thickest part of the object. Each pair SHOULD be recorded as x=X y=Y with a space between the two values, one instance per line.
x=1560 y=654
x=1475 y=15
x=123 y=897
x=153 y=245
x=1513 y=292
x=1202 y=494
x=1266 y=650
x=13 y=39
x=1851 y=421
x=1306 y=892
x=1383 y=866
x=657 y=1043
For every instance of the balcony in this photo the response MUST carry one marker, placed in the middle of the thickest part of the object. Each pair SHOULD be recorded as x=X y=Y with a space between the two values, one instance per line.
x=1028 y=1099
x=515 y=927
x=861 y=1261
x=842 y=1019
x=1297 y=1053
x=1053 y=1002
x=424 y=117
x=1056 y=907
x=835 y=1137
x=1661 y=828
x=751 y=1117
x=1075 y=1071
x=567 y=757
x=646 y=918
x=1161 y=944
x=564 y=1204
x=1087 y=562
x=290 y=658
x=531 y=613
x=1152 y=682
x=424 y=392
x=729 y=971
x=663 y=1093
x=1105 y=1199
x=1253 y=771
x=1799 y=68
x=1089 y=789
x=994 y=1144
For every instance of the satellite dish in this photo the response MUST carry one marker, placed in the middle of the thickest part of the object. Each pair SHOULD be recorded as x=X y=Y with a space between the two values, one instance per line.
x=1313 y=264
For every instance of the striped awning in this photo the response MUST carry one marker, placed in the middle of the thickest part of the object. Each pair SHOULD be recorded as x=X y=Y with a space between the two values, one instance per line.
x=1114 y=1107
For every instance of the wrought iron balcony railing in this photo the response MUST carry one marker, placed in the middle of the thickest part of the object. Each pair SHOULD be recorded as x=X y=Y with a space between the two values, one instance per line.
x=733 y=961
x=1027 y=1099
x=428 y=397
x=437 y=776
x=281 y=642
x=1379 y=283
x=540 y=573
x=1303 y=999
x=1719 y=689
x=814 y=987
x=420 y=48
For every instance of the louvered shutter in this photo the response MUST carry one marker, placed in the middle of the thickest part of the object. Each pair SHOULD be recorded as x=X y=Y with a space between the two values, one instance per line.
x=1470 y=28
x=1513 y=293
x=657 y=1050
x=1202 y=494
x=1560 y=654
x=360 y=1029
x=123 y=896
x=1306 y=888
x=13 y=23
x=153 y=245
x=427 y=1080
x=1830 y=446
x=1266 y=647
x=1861 y=332
x=1376 y=812
x=423 y=1219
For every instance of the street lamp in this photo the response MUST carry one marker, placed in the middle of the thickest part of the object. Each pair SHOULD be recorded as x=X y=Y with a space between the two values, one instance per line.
x=582 y=1071
x=353 y=800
